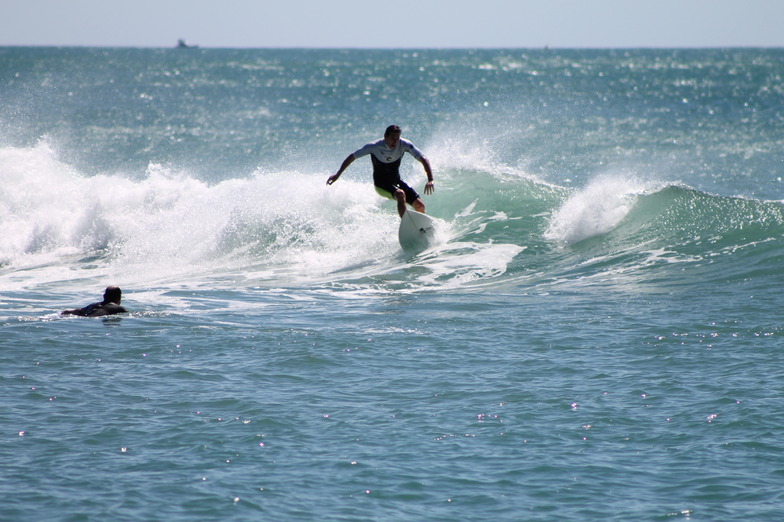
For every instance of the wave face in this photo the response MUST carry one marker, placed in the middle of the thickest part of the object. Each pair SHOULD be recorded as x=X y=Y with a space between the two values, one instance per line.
x=287 y=227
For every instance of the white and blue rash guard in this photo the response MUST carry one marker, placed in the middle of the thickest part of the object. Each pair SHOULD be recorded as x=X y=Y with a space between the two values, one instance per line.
x=386 y=163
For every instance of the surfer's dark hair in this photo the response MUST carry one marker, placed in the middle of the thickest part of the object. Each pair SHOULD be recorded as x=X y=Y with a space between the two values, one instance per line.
x=392 y=129
x=113 y=294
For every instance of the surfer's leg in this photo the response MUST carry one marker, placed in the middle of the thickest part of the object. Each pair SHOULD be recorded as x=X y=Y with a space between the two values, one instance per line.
x=400 y=196
x=411 y=197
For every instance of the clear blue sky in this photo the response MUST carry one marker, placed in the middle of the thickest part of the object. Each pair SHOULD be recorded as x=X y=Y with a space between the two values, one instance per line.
x=389 y=23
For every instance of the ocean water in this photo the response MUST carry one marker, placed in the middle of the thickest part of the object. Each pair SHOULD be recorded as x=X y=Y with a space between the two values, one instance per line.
x=597 y=334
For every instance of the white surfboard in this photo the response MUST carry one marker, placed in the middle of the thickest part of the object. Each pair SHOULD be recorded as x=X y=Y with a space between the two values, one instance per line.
x=417 y=231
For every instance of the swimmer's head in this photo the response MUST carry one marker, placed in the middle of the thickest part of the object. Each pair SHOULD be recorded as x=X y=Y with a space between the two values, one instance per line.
x=113 y=294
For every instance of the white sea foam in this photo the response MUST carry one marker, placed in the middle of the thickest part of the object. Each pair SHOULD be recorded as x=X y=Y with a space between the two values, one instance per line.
x=168 y=226
x=596 y=209
x=170 y=222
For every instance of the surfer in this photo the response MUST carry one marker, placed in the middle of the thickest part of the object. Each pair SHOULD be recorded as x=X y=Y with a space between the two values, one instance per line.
x=109 y=306
x=386 y=155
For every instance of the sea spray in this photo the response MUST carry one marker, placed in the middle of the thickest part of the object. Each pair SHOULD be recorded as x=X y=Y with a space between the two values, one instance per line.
x=596 y=209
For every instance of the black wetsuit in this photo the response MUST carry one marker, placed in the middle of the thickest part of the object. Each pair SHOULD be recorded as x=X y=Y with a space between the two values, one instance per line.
x=97 y=309
x=386 y=166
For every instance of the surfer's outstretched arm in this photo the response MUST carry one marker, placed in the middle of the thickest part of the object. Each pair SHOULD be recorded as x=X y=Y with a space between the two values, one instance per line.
x=346 y=162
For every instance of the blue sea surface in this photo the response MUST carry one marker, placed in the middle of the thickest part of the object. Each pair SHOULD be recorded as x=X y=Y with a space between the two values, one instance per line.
x=596 y=335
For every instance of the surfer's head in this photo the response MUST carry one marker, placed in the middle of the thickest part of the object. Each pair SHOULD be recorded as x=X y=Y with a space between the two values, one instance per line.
x=392 y=129
x=392 y=136
x=113 y=294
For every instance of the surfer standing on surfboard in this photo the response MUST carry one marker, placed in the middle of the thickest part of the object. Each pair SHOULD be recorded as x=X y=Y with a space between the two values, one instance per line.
x=386 y=155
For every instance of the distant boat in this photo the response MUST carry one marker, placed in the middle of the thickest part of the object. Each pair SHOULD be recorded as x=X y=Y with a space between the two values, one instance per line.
x=182 y=45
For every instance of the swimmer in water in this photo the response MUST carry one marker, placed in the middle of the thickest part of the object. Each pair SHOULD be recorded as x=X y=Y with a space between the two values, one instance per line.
x=109 y=306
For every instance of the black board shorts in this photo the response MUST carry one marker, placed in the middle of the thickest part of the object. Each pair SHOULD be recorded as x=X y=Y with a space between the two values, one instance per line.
x=388 y=191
